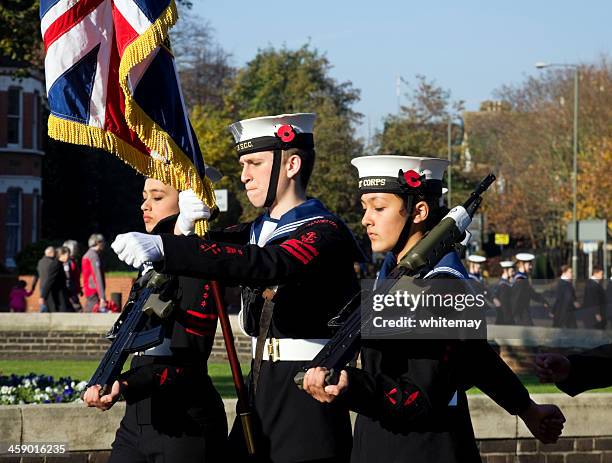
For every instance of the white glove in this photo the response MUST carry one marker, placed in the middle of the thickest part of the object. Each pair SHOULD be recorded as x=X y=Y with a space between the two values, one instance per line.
x=192 y=208
x=137 y=248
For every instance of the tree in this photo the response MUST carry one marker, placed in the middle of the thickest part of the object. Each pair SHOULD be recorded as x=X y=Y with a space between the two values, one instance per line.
x=204 y=66
x=211 y=128
x=20 y=39
x=421 y=127
x=530 y=145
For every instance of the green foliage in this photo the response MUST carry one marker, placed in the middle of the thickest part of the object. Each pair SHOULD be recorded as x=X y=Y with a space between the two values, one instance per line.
x=421 y=129
x=20 y=39
x=211 y=127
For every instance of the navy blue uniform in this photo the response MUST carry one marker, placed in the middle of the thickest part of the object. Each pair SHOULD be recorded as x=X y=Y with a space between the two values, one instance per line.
x=309 y=256
x=410 y=394
x=173 y=411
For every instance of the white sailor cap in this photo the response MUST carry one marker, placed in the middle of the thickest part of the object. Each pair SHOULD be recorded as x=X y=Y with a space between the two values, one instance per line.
x=271 y=133
x=476 y=259
x=506 y=264
x=524 y=257
x=400 y=174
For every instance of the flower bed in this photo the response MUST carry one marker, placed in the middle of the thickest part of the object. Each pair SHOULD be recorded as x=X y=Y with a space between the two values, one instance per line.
x=39 y=389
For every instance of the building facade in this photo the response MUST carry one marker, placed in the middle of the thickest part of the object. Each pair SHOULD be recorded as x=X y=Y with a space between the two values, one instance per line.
x=20 y=164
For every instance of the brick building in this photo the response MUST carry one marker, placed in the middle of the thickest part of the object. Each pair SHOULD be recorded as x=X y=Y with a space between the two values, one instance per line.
x=21 y=154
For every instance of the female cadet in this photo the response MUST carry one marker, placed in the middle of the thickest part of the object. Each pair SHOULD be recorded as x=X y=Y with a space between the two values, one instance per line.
x=410 y=394
x=173 y=411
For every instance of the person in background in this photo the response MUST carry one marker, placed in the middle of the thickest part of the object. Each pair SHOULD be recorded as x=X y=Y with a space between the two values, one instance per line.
x=41 y=273
x=564 y=308
x=92 y=266
x=522 y=290
x=502 y=294
x=53 y=294
x=595 y=300
x=17 y=297
x=475 y=268
x=73 y=286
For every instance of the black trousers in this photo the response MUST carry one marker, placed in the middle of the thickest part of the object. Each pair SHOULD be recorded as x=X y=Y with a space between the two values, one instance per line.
x=147 y=443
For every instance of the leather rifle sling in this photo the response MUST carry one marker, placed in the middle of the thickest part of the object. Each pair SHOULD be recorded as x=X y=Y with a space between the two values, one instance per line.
x=265 y=321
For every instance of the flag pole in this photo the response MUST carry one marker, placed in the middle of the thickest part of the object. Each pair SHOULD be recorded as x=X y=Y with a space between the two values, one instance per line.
x=243 y=409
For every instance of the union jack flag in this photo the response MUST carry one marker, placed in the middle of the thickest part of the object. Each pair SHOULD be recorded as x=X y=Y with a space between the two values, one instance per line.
x=112 y=84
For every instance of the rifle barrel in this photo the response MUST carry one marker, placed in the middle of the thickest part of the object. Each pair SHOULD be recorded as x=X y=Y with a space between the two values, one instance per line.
x=484 y=184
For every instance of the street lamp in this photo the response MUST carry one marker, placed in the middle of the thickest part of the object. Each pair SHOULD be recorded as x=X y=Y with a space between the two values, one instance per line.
x=575 y=67
x=449 y=145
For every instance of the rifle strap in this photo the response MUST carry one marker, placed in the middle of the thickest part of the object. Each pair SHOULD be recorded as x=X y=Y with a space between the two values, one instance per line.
x=265 y=320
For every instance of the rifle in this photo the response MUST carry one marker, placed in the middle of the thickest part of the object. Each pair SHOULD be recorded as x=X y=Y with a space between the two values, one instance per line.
x=127 y=334
x=443 y=238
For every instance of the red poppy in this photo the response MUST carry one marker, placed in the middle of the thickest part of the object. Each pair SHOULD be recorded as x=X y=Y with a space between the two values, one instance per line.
x=412 y=178
x=285 y=133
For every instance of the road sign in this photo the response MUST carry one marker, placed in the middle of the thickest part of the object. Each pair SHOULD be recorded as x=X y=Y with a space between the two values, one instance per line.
x=588 y=230
x=502 y=239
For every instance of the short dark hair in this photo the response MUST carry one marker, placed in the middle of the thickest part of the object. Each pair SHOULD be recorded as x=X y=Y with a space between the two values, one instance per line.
x=565 y=268
x=62 y=251
x=597 y=268
x=436 y=212
x=308 y=159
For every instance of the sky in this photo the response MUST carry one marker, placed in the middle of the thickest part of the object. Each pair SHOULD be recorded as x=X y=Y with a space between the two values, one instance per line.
x=469 y=47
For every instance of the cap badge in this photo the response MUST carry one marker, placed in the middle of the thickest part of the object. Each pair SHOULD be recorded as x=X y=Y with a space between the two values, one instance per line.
x=285 y=133
x=412 y=178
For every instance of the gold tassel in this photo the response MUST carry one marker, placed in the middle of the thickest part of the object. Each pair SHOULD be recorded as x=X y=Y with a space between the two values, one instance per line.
x=180 y=172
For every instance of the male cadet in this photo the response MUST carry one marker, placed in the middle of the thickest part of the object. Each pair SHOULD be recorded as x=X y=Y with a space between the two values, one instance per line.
x=522 y=291
x=595 y=300
x=565 y=305
x=475 y=267
x=502 y=293
x=295 y=263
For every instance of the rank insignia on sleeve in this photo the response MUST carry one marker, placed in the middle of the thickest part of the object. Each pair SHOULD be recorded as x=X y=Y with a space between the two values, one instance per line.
x=310 y=237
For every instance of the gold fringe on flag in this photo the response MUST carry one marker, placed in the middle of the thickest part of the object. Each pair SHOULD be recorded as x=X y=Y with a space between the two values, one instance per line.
x=179 y=171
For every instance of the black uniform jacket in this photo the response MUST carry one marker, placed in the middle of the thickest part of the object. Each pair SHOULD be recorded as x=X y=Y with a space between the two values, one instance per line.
x=313 y=268
x=503 y=292
x=594 y=304
x=403 y=395
x=174 y=393
x=522 y=294
x=591 y=369
x=563 y=309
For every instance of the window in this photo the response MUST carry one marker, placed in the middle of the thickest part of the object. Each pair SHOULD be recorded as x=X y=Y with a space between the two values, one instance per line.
x=13 y=225
x=13 y=116
x=35 y=114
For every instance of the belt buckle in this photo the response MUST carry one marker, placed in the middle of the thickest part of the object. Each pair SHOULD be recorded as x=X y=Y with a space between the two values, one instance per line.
x=273 y=350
